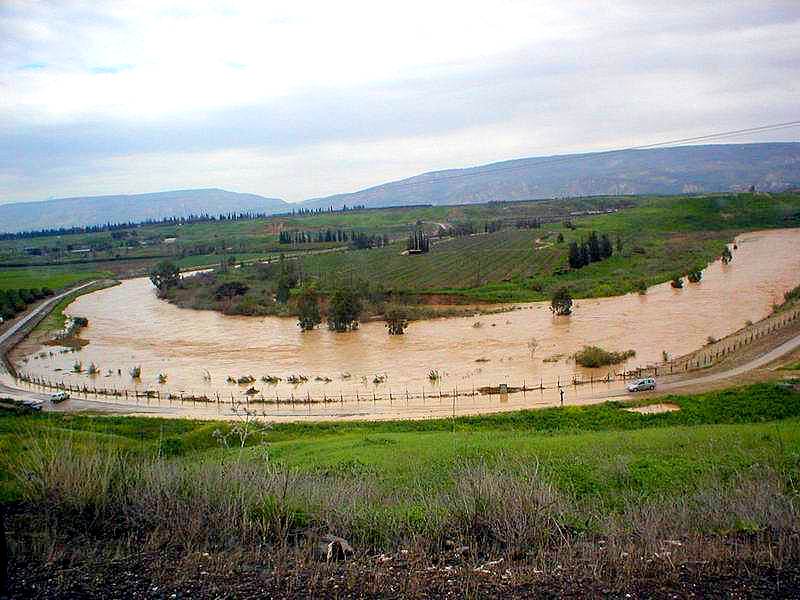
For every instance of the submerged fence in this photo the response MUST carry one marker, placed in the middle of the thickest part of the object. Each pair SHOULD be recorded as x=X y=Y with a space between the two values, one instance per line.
x=380 y=392
x=699 y=359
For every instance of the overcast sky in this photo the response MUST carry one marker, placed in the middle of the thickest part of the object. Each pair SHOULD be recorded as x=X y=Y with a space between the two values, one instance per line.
x=301 y=99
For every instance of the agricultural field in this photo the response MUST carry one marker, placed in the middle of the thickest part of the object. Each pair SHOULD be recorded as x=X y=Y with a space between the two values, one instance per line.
x=714 y=483
x=55 y=277
x=653 y=241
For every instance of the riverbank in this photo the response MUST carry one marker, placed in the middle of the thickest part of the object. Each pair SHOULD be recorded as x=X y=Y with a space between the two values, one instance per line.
x=368 y=372
x=588 y=498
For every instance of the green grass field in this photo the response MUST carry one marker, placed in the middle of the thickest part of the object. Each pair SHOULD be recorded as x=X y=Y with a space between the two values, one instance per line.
x=655 y=239
x=717 y=434
x=597 y=490
x=53 y=277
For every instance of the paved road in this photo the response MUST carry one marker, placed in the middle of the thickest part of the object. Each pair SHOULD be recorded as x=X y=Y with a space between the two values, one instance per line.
x=119 y=407
x=44 y=307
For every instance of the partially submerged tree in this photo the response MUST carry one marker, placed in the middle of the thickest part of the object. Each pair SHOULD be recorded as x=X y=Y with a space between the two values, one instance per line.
x=308 y=309
x=344 y=310
x=695 y=276
x=396 y=318
x=561 y=302
x=726 y=256
x=165 y=275
x=677 y=282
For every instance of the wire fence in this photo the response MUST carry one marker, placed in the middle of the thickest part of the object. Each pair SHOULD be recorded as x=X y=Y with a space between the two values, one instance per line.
x=699 y=359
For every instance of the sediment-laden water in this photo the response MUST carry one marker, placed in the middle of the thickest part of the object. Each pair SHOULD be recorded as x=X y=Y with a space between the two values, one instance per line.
x=129 y=326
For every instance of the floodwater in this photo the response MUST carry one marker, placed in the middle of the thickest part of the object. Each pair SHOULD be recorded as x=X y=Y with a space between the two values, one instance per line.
x=129 y=326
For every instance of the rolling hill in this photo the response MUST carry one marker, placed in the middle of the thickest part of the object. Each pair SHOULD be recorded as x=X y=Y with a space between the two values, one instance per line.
x=677 y=170
x=95 y=210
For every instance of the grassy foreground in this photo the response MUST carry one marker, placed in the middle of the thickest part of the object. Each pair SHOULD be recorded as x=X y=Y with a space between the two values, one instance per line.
x=593 y=491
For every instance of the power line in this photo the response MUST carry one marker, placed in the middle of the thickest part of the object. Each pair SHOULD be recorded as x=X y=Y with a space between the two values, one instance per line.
x=475 y=171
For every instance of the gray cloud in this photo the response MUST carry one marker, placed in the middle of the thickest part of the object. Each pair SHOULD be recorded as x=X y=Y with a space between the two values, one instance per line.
x=630 y=73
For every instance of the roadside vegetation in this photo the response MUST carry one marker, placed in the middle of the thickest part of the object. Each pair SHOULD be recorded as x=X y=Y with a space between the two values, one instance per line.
x=600 y=491
x=593 y=357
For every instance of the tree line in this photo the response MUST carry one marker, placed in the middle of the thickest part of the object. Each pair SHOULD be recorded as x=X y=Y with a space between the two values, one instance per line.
x=356 y=239
x=15 y=301
x=593 y=249
x=193 y=218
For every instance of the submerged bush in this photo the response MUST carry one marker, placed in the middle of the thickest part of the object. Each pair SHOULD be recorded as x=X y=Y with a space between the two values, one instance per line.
x=594 y=356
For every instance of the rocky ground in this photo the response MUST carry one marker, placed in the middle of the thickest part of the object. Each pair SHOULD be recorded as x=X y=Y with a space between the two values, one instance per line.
x=145 y=576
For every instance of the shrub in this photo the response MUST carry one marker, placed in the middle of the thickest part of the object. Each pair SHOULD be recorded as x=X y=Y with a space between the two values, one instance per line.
x=396 y=317
x=561 y=302
x=677 y=282
x=695 y=276
x=308 y=309
x=594 y=356
x=165 y=275
x=229 y=290
x=345 y=310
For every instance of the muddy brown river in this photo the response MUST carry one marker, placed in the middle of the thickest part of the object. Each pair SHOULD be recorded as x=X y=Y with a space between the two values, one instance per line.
x=129 y=326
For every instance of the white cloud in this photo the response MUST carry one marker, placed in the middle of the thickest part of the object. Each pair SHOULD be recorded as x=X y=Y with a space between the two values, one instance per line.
x=311 y=98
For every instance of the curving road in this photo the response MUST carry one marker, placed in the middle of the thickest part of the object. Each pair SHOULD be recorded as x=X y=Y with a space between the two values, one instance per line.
x=43 y=308
x=126 y=408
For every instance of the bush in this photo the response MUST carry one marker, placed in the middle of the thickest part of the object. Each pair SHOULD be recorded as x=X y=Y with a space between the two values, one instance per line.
x=345 y=310
x=561 y=302
x=308 y=309
x=594 y=356
x=165 y=275
x=396 y=319
x=677 y=282
x=695 y=276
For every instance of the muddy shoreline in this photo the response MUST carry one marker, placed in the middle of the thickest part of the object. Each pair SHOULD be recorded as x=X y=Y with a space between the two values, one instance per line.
x=200 y=350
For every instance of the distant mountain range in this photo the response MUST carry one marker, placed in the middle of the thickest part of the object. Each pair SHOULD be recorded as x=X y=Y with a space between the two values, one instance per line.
x=97 y=210
x=687 y=169
x=679 y=170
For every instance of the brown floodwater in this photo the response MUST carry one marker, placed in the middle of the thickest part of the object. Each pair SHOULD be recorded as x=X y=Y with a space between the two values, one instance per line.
x=129 y=326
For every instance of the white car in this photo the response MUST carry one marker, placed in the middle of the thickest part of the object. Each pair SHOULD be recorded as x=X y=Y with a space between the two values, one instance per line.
x=59 y=397
x=640 y=385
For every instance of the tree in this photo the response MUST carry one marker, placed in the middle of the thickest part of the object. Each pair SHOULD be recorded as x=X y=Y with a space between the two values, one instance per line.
x=561 y=302
x=575 y=256
x=726 y=256
x=560 y=238
x=606 y=249
x=593 y=243
x=586 y=255
x=228 y=290
x=283 y=290
x=396 y=318
x=344 y=310
x=165 y=275
x=308 y=309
